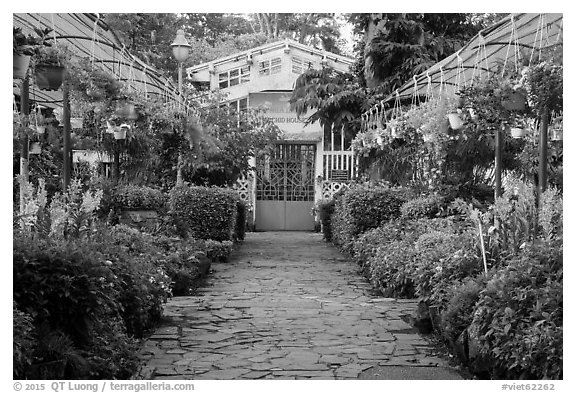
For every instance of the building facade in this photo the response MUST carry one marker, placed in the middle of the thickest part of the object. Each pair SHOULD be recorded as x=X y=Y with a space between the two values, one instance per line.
x=308 y=164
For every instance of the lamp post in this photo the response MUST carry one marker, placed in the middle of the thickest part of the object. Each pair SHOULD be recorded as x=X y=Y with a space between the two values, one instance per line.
x=180 y=50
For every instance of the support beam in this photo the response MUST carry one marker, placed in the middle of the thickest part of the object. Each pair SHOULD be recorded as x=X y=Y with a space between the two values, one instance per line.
x=499 y=141
x=543 y=164
x=66 y=148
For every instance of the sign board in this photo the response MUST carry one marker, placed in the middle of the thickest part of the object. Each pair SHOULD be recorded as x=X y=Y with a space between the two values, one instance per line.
x=277 y=107
x=339 y=175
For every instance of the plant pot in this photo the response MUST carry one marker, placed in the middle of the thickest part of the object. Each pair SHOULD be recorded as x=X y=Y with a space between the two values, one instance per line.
x=514 y=102
x=40 y=129
x=35 y=148
x=456 y=122
x=398 y=134
x=20 y=66
x=556 y=135
x=517 y=132
x=120 y=133
x=76 y=122
x=49 y=77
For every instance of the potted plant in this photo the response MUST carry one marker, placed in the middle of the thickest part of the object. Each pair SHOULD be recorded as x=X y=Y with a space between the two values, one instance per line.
x=455 y=120
x=39 y=123
x=556 y=129
x=24 y=47
x=49 y=68
x=120 y=132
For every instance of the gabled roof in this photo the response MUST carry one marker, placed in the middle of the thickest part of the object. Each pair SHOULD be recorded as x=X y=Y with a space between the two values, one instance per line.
x=286 y=43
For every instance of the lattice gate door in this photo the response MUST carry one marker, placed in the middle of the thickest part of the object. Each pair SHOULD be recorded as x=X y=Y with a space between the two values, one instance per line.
x=285 y=188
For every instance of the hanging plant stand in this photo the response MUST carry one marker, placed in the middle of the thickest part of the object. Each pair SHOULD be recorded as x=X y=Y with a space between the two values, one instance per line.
x=20 y=66
x=49 y=77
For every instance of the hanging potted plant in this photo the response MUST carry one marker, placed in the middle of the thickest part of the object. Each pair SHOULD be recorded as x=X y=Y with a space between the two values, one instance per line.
x=49 y=68
x=39 y=123
x=556 y=129
x=120 y=132
x=35 y=148
x=24 y=47
x=455 y=120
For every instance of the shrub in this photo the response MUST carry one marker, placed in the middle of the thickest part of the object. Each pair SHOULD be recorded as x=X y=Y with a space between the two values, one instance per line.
x=459 y=310
x=22 y=342
x=218 y=251
x=131 y=197
x=520 y=330
x=241 y=221
x=204 y=212
x=423 y=207
x=72 y=297
x=361 y=208
x=325 y=209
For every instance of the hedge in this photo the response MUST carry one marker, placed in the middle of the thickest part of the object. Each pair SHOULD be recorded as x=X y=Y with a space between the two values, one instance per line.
x=204 y=212
x=360 y=208
x=504 y=323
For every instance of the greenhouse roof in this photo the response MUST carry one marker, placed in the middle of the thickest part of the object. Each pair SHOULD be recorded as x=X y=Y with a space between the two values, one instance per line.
x=482 y=55
x=88 y=36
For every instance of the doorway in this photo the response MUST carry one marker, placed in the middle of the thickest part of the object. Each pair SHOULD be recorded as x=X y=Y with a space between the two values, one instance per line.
x=285 y=188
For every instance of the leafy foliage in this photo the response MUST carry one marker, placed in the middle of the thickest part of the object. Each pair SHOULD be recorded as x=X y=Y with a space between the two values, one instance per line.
x=360 y=208
x=521 y=330
x=192 y=207
x=138 y=197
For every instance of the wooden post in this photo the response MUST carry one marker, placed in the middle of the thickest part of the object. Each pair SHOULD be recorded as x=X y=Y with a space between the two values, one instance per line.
x=66 y=170
x=24 y=169
x=498 y=163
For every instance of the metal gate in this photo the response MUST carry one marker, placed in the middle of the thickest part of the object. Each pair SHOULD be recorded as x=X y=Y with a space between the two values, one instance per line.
x=285 y=188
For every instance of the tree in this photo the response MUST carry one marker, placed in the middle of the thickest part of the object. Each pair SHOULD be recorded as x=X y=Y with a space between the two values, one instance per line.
x=319 y=30
x=396 y=46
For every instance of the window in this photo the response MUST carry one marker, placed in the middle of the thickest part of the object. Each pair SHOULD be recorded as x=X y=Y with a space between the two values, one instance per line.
x=239 y=105
x=299 y=65
x=234 y=77
x=270 y=66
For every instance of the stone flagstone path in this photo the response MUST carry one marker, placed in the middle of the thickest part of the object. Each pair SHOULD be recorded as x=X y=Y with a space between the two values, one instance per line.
x=288 y=306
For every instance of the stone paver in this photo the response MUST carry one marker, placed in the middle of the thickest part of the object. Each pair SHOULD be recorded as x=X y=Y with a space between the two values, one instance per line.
x=288 y=306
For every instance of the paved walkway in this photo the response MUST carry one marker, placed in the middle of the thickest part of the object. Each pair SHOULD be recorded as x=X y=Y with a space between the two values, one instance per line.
x=288 y=306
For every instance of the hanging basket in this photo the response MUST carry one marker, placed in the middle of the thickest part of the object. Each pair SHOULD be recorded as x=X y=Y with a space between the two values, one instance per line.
x=517 y=132
x=120 y=133
x=35 y=148
x=76 y=122
x=49 y=77
x=40 y=129
x=20 y=66
x=556 y=134
x=456 y=122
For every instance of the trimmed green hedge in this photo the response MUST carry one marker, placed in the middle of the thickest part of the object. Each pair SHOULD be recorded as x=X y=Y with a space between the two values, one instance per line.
x=360 y=208
x=204 y=212
x=130 y=197
x=429 y=206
